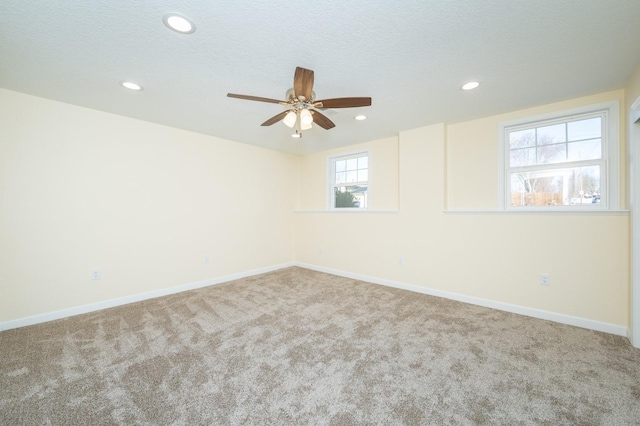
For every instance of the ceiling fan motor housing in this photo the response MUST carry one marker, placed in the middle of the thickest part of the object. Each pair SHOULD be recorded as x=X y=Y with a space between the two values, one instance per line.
x=290 y=96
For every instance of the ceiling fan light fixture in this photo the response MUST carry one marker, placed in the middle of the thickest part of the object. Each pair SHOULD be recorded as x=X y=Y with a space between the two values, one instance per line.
x=179 y=23
x=290 y=119
x=306 y=118
x=305 y=126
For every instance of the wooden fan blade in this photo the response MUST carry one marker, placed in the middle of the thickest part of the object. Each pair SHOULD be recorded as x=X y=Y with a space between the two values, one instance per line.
x=303 y=83
x=343 y=103
x=254 y=98
x=322 y=120
x=275 y=118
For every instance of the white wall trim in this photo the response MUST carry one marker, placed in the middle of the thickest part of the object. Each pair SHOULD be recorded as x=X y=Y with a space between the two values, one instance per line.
x=111 y=303
x=634 y=206
x=618 y=330
x=533 y=212
x=636 y=104
x=522 y=310
x=358 y=211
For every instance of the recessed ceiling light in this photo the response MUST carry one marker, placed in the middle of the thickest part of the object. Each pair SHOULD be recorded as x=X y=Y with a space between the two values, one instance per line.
x=360 y=117
x=179 y=23
x=131 y=85
x=470 y=85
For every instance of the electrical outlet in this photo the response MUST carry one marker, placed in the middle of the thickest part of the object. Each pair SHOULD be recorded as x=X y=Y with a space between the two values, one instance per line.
x=400 y=260
x=96 y=274
x=206 y=259
x=545 y=279
x=320 y=249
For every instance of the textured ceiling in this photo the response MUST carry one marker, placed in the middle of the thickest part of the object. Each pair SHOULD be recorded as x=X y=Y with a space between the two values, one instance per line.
x=411 y=57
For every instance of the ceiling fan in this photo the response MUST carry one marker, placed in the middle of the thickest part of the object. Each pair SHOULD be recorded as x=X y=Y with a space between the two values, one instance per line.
x=302 y=106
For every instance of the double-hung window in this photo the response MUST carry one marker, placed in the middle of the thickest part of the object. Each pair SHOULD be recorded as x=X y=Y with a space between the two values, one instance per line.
x=349 y=181
x=567 y=160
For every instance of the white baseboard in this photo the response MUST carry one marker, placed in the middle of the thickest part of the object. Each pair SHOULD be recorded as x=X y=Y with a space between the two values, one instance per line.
x=516 y=309
x=618 y=330
x=77 y=310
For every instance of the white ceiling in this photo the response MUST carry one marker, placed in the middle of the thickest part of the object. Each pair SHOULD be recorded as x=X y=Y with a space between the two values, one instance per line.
x=410 y=56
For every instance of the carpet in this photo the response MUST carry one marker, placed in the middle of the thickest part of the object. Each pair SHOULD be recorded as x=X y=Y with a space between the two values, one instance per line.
x=297 y=346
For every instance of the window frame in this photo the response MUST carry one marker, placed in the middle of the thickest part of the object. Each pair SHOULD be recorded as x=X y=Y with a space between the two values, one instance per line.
x=610 y=161
x=331 y=174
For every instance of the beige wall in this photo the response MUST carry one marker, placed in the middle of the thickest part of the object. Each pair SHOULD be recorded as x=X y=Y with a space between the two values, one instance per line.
x=82 y=189
x=489 y=256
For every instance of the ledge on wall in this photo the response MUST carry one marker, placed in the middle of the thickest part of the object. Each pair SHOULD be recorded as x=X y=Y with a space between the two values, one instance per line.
x=540 y=212
x=356 y=211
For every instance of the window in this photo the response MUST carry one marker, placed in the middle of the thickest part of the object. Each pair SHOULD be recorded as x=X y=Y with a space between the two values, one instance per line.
x=349 y=181
x=567 y=160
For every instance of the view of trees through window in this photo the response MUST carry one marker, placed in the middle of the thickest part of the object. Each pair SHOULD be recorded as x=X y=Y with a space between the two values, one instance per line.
x=558 y=163
x=350 y=181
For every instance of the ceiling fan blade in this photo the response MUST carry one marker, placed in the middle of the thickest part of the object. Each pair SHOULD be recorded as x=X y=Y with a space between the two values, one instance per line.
x=303 y=83
x=275 y=118
x=254 y=98
x=321 y=120
x=343 y=103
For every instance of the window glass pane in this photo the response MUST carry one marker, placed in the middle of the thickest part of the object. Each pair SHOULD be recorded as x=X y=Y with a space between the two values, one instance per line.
x=551 y=134
x=354 y=196
x=548 y=154
x=522 y=157
x=585 y=129
x=560 y=187
x=350 y=176
x=586 y=150
x=522 y=138
x=363 y=163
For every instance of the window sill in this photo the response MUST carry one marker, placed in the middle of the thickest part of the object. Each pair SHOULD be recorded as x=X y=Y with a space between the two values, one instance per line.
x=539 y=212
x=355 y=211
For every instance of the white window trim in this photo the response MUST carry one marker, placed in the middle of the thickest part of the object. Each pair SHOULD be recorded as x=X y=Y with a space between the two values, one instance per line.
x=611 y=157
x=331 y=174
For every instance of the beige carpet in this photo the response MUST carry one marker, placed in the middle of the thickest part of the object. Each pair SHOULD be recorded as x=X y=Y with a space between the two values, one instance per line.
x=302 y=347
